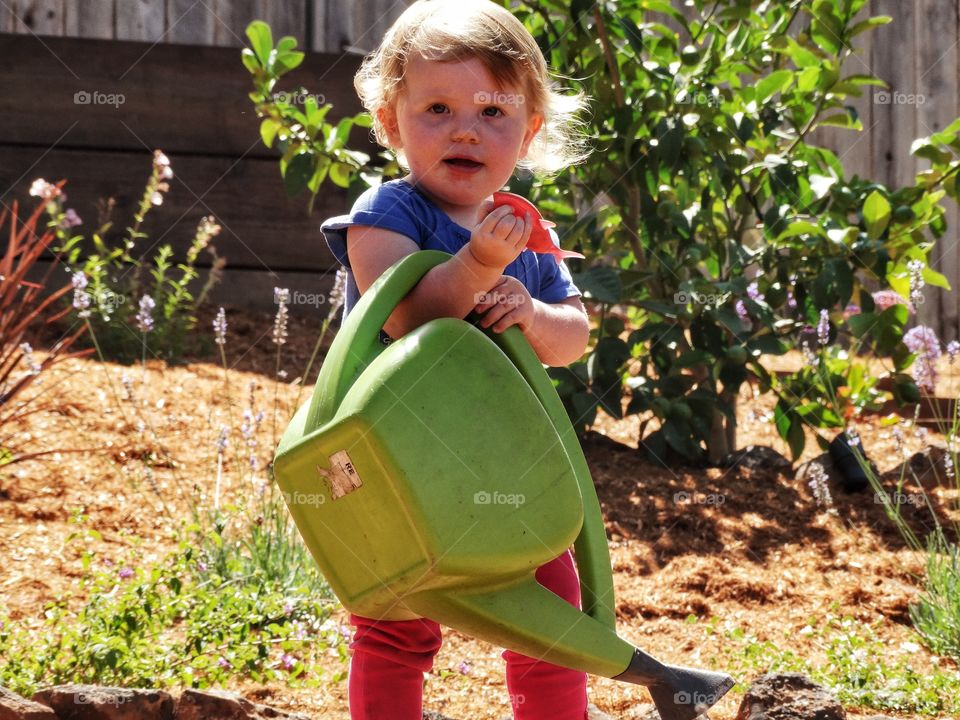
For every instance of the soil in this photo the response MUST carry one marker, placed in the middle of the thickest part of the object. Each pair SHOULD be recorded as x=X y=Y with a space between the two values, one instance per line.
x=749 y=548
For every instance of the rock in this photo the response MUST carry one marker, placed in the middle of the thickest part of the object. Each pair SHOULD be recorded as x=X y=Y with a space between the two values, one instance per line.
x=223 y=705
x=643 y=711
x=14 y=707
x=929 y=465
x=788 y=696
x=595 y=713
x=91 y=702
x=757 y=457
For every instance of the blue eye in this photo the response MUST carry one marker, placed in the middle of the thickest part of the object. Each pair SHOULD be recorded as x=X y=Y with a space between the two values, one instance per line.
x=438 y=105
x=496 y=110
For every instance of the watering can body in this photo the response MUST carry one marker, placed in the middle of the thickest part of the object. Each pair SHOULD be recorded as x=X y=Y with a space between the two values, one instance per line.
x=431 y=477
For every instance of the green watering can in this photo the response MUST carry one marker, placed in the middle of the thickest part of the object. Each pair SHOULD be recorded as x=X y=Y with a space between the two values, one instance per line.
x=432 y=476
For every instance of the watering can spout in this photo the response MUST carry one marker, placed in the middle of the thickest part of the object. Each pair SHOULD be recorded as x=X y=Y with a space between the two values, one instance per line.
x=557 y=632
x=679 y=693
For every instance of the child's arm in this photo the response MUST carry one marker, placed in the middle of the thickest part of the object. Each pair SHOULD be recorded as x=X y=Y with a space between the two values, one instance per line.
x=557 y=332
x=450 y=289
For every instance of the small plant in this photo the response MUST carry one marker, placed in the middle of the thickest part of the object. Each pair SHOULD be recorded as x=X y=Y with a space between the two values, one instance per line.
x=136 y=305
x=312 y=150
x=26 y=306
x=172 y=623
x=860 y=668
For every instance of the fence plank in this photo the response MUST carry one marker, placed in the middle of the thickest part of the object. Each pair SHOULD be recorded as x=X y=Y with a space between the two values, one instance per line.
x=189 y=21
x=89 y=19
x=41 y=17
x=936 y=61
x=341 y=24
x=285 y=18
x=211 y=114
x=894 y=121
x=141 y=20
x=262 y=228
x=232 y=18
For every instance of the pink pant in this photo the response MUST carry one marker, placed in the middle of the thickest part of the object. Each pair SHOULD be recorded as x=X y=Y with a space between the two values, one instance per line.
x=390 y=657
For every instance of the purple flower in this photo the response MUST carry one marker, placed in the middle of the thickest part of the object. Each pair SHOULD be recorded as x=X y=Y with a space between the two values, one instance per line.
x=851 y=310
x=464 y=667
x=70 y=219
x=287 y=608
x=916 y=281
x=224 y=663
x=288 y=661
x=201 y=566
x=823 y=328
x=81 y=298
x=806 y=340
x=125 y=573
x=818 y=484
x=753 y=292
x=887 y=298
x=145 y=315
x=953 y=347
x=281 y=296
x=923 y=341
x=220 y=327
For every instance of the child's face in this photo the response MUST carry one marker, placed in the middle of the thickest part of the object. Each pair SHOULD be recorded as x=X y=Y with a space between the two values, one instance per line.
x=457 y=109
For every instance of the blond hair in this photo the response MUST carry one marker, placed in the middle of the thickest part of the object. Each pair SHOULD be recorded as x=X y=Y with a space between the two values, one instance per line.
x=450 y=30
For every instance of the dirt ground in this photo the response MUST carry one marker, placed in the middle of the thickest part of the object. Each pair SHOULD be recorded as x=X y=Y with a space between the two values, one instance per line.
x=765 y=558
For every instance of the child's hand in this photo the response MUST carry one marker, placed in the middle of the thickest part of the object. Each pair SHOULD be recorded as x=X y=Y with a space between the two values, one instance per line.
x=506 y=303
x=500 y=236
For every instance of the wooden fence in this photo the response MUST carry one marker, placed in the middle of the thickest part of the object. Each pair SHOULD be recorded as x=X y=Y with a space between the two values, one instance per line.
x=192 y=102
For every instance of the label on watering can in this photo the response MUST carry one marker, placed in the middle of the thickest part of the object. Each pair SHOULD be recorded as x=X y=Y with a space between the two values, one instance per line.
x=342 y=475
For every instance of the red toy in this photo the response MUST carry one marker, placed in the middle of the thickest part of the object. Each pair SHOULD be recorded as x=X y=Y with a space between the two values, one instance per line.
x=540 y=240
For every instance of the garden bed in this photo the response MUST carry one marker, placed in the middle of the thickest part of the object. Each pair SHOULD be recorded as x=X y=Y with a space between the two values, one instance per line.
x=732 y=568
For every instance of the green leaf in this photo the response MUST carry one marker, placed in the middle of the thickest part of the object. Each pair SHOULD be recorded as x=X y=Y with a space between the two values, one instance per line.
x=261 y=39
x=340 y=174
x=298 y=173
x=775 y=82
x=876 y=214
x=632 y=33
x=872 y=22
x=600 y=283
x=932 y=277
x=250 y=60
x=268 y=131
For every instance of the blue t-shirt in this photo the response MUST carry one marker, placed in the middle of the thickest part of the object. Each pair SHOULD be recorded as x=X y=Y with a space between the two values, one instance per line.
x=398 y=206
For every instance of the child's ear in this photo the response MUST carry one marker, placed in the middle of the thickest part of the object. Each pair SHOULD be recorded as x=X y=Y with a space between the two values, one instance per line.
x=387 y=116
x=534 y=123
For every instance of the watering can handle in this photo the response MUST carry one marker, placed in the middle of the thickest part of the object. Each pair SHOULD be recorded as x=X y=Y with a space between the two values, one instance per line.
x=360 y=345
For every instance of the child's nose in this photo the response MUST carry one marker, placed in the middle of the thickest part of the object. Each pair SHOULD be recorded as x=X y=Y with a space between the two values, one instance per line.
x=465 y=131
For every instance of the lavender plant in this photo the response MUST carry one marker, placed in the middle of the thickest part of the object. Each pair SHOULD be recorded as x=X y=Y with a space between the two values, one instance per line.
x=134 y=314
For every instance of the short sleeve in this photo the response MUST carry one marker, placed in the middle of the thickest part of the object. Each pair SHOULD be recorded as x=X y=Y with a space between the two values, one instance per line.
x=556 y=283
x=387 y=206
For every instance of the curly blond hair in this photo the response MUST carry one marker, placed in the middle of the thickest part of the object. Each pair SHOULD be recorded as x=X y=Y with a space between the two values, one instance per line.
x=451 y=30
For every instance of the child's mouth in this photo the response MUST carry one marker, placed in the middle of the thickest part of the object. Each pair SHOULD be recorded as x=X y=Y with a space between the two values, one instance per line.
x=464 y=163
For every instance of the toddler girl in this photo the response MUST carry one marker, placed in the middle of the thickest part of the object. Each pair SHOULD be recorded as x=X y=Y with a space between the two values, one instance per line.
x=460 y=91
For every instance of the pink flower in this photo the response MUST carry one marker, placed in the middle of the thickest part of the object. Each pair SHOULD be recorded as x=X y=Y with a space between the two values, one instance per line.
x=888 y=298
x=288 y=661
x=42 y=189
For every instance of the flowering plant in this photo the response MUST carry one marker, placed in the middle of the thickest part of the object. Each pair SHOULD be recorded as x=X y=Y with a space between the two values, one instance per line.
x=110 y=288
